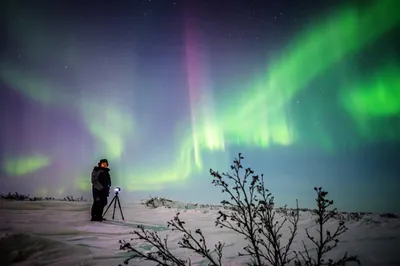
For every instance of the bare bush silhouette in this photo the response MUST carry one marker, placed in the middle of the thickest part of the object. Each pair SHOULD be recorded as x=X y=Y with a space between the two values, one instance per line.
x=195 y=242
x=254 y=216
x=72 y=198
x=23 y=197
x=14 y=196
x=326 y=240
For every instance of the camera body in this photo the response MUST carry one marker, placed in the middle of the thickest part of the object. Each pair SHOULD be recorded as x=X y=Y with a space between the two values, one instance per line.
x=117 y=190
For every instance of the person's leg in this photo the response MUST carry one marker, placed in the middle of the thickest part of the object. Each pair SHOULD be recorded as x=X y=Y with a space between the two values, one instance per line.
x=93 y=210
x=98 y=210
x=101 y=202
x=97 y=206
x=103 y=205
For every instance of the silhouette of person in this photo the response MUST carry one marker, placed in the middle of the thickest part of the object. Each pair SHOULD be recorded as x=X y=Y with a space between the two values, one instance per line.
x=101 y=184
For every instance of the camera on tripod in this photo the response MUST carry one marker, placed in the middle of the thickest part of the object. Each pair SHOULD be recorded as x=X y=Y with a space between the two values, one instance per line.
x=115 y=200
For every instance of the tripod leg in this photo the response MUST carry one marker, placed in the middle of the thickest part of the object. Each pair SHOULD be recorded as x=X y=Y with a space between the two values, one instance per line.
x=109 y=205
x=120 y=209
x=115 y=205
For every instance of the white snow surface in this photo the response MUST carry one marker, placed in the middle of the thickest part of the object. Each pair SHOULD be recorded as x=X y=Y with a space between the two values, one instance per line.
x=60 y=233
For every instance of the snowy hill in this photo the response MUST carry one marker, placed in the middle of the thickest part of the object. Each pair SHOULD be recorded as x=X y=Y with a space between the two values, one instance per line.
x=60 y=233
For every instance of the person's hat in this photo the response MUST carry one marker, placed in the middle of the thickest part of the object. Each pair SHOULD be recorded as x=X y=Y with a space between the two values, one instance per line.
x=103 y=161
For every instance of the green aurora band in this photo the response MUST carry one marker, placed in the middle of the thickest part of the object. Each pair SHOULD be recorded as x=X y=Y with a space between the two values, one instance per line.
x=261 y=110
x=23 y=165
x=374 y=103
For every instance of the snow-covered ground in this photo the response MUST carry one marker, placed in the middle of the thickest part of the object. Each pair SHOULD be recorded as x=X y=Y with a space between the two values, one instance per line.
x=60 y=233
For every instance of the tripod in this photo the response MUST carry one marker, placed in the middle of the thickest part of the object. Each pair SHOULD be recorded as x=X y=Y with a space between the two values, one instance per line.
x=115 y=200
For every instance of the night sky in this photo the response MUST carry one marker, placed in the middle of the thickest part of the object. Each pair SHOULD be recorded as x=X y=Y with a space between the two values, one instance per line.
x=308 y=91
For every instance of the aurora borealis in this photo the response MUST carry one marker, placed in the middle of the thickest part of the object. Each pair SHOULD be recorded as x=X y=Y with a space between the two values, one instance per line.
x=166 y=90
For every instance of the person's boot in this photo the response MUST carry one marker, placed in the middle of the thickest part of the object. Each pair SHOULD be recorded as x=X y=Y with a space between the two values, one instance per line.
x=96 y=219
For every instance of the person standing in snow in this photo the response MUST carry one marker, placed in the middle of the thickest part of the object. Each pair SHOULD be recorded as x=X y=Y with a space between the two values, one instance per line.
x=101 y=184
